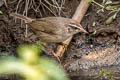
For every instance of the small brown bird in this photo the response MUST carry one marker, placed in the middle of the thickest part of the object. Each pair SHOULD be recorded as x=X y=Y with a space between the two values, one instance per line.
x=52 y=29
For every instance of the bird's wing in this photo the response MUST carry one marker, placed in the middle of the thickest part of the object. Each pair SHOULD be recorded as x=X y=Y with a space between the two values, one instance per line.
x=47 y=25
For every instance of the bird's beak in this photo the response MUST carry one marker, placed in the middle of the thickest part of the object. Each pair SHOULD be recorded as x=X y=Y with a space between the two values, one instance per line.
x=83 y=30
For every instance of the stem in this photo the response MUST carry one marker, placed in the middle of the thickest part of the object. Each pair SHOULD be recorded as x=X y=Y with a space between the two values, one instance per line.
x=98 y=4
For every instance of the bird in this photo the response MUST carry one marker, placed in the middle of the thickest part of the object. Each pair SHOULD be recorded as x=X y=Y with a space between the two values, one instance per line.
x=52 y=29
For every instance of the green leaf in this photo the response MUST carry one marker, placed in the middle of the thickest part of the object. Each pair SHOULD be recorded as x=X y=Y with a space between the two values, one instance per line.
x=52 y=69
x=1 y=12
x=94 y=32
x=29 y=52
x=111 y=18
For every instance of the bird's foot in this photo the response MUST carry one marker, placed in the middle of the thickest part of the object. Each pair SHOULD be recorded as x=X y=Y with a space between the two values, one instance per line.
x=53 y=53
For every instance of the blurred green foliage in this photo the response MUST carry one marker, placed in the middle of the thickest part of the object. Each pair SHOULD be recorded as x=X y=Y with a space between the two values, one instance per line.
x=107 y=5
x=31 y=65
x=108 y=75
x=1 y=12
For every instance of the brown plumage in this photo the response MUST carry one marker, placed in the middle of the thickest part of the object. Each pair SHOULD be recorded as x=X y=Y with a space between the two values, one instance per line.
x=52 y=29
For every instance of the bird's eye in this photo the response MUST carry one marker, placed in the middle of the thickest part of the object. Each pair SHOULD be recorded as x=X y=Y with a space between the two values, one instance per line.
x=73 y=26
x=69 y=29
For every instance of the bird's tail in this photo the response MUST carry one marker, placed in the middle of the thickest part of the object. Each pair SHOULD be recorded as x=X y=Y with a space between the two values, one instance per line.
x=19 y=16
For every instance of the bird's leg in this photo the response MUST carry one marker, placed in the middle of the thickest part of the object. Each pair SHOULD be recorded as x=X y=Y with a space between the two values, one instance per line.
x=64 y=46
x=53 y=53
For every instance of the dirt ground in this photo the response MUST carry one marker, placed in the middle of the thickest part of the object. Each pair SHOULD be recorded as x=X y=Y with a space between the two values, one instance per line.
x=86 y=56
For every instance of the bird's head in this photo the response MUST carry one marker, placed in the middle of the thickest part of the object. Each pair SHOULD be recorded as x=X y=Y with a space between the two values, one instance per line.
x=75 y=28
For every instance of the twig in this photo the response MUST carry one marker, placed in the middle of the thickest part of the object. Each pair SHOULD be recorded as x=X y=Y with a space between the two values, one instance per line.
x=5 y=4
x=80 y=12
